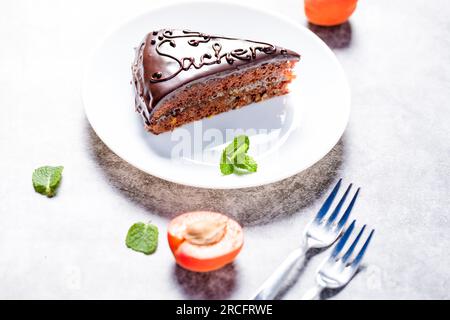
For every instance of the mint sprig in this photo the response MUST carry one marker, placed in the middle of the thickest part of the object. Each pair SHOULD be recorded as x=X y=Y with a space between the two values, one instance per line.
x=142 y=237
x=235 y=159
x=47 y=179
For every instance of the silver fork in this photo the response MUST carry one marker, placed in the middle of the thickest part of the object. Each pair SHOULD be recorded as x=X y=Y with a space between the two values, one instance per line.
x=319 y=233
x=337 y=270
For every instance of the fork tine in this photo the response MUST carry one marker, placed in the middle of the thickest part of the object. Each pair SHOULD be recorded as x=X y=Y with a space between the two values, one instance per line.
x=339 y=206
x=357 y=261
x=338 y=248
x=326 y=205
x=352 y=247
x=346 y=214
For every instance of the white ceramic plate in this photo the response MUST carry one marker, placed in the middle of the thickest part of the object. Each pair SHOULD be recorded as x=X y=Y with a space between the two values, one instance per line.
x=287 y=134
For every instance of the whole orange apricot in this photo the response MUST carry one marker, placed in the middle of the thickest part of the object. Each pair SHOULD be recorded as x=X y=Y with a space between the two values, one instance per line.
x=329 y=12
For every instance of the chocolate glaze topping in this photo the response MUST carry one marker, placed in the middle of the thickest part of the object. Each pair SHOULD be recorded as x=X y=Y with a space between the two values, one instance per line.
x=168 y=59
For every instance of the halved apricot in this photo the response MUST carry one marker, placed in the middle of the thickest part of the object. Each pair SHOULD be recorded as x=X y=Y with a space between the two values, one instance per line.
x=204 y=241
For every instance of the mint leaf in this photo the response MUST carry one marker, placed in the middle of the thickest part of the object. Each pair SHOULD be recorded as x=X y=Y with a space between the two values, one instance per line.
x=46 y=180
x=226 y=167
x=142 y=237
x=235 y=156
x=239 y=145
x=248 y=164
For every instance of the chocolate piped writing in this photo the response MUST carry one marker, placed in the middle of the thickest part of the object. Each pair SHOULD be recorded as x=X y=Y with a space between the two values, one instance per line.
x=185 y=63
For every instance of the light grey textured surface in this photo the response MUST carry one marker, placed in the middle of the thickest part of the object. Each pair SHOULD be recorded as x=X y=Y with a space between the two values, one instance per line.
x=397 y=58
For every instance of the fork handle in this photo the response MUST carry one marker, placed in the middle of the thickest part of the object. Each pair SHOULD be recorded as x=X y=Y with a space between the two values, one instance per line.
x=313 y=293
x=271 y=286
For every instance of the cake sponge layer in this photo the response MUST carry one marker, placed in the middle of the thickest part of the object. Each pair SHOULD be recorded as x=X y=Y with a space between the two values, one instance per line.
x=217 y=95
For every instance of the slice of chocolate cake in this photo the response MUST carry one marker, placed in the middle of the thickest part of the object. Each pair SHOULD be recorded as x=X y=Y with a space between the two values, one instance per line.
x=182 y=76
